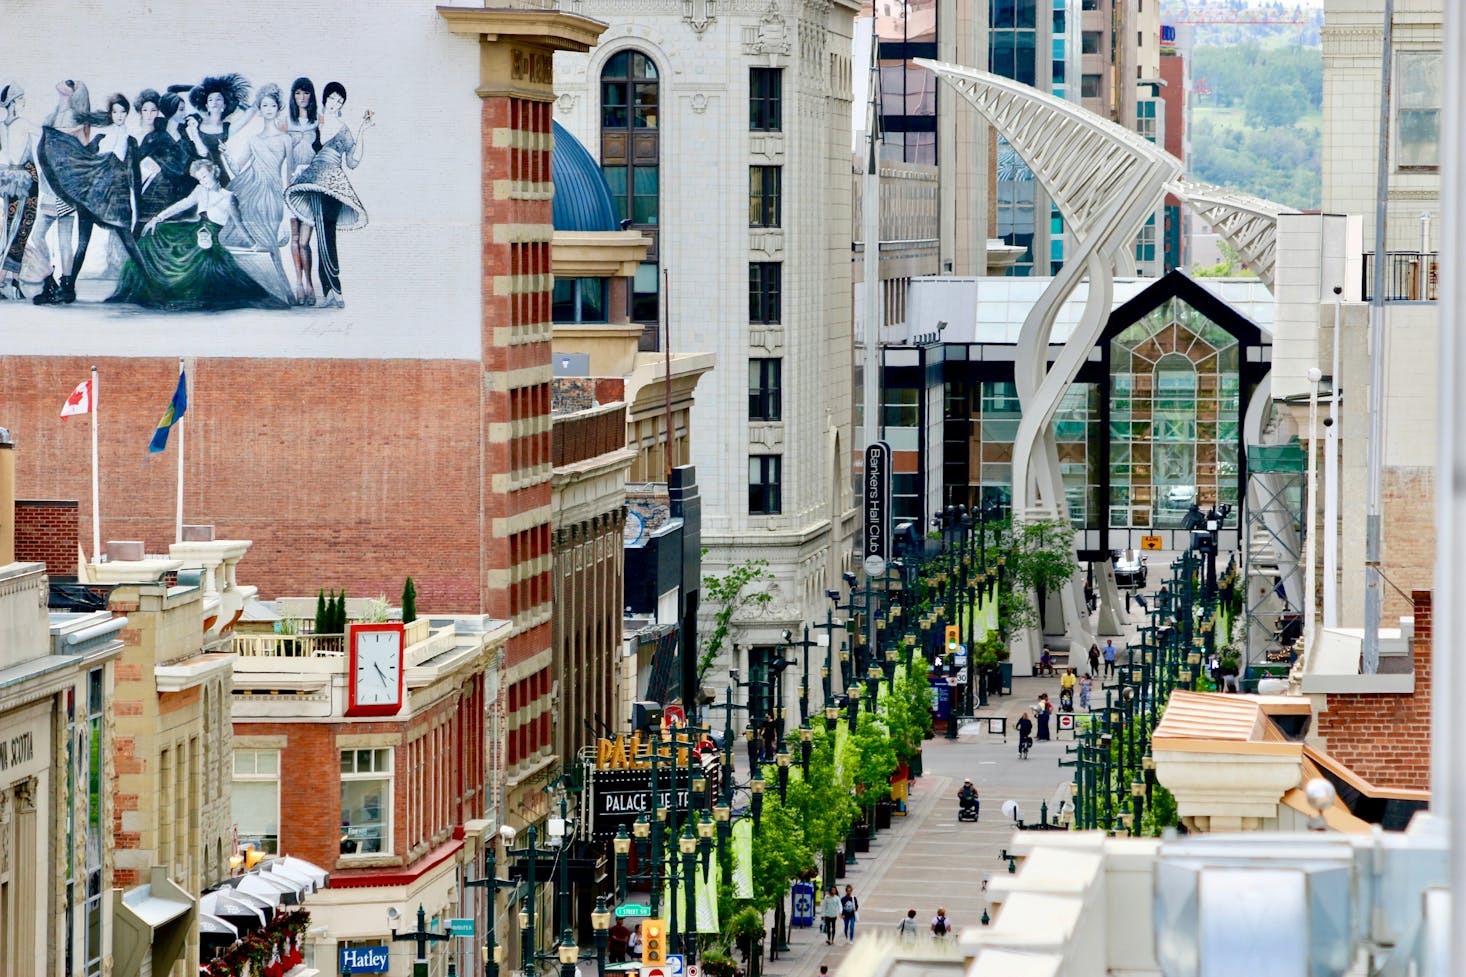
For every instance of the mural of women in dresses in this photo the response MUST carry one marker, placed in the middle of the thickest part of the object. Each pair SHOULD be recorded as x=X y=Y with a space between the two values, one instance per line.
x=259 y=184
x=19 y=188
x=217 y=99
x=182 y=266
x=164 y=154
x=322 y=194
x=305 y=139
x=72 y=116
x=98 y=178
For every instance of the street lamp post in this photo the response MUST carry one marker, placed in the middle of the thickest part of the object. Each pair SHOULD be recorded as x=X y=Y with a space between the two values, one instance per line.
x=493 y=884
x=421 y=936
x=569 y=953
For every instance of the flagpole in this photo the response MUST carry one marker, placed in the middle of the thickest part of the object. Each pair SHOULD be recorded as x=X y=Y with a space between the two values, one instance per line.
x=96 y=511
x=178 y=521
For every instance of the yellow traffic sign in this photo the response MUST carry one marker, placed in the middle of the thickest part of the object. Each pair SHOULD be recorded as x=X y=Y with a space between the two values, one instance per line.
x=1150 y=542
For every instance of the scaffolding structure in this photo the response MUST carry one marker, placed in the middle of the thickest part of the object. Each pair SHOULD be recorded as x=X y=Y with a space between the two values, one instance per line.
x=1273 y=561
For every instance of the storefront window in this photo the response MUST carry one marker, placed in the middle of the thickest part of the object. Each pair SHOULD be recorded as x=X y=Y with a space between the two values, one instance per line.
x=366 y=802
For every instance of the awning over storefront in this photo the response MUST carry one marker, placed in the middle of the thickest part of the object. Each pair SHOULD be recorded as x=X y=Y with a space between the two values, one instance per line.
x=151 y=918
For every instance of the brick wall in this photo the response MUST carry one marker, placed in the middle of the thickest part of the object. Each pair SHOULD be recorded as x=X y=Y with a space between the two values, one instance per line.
x=1386 y=738
x=46 y=532
x=336 y=487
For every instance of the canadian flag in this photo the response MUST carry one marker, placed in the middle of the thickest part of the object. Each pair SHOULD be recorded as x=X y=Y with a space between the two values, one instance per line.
x=80 y=401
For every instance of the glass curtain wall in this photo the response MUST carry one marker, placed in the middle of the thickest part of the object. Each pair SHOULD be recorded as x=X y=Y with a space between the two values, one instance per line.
x=1174 y=418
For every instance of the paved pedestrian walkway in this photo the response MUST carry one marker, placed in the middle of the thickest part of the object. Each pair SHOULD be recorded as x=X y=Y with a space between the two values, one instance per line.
x=929 y=859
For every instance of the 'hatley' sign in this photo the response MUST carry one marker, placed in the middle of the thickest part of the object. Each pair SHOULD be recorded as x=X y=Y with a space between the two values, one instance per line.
x=875 y=486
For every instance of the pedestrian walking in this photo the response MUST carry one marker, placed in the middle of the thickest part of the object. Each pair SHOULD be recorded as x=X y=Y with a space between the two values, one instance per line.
x=941 y=926
x=906 y=929
x=1086 y=690
x=633 y=945
x=1042 y=710
x=1094 y=660
x=849 y=912
x=1067 y=682
x=617 y=940
x=1110 y=657
x=829 y=912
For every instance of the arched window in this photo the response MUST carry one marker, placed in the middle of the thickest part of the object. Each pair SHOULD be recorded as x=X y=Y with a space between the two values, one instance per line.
x=630 y=154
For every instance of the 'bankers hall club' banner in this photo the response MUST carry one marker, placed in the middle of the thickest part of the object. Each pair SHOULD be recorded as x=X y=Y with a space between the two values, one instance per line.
x=621 y=796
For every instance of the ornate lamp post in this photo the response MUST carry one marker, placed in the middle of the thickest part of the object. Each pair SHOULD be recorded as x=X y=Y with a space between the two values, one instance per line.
x=622 y=845
x=806 y=747
x=492 y=951
x=687 y=845
x=422 y=936
x=600 y=921
x=782 y=759
x=569 y=953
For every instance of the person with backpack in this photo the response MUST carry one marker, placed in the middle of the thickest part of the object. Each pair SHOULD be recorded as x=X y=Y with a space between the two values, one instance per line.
x=1025 y=734
x=940 y=925
x=849 y=906
x=906 y=929
x=829 y=912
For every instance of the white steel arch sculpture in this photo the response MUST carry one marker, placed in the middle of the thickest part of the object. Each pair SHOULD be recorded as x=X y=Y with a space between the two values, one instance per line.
x=1105 y=180
x=1247 y=223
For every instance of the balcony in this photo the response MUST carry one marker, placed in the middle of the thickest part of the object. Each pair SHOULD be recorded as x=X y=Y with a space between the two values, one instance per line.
x=1410 y=276
x=306 y=645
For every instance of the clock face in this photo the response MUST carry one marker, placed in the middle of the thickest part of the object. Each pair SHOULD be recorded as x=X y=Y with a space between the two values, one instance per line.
x=378 y=667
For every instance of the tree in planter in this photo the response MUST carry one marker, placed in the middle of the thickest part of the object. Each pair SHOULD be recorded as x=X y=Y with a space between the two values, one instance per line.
x=906 y=711
x=871 y=759
x=780 y=853
x=409 y=602
x=822 y=802
x=731 y=593
x=323 y=613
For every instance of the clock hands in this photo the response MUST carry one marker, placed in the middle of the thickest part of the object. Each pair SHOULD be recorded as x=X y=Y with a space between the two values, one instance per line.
x=381 y=673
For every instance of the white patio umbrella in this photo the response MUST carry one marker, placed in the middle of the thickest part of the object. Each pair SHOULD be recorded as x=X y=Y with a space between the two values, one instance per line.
x=299 y=865
x=256 y=885
x=294 y=876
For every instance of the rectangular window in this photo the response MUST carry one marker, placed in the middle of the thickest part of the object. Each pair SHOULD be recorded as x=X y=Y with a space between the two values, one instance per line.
x=765 y=485
x=256 y=798
x=763 y=195
x=765 y=402
x=93 y=761
x=765 y=95
x=616 y=180
x=1418 y=118
x=644 y=180
x=366 y=802
x=644 y=292
x=1089 y=42
x=579 y=300
x=1089 y=86
x=764 y=279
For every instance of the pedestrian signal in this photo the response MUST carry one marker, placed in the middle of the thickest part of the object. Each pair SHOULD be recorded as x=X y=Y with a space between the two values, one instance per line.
x=653 y=942
x=954 y=637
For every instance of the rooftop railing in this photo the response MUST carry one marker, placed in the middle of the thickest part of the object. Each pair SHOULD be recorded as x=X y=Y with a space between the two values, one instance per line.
x=1410 y=276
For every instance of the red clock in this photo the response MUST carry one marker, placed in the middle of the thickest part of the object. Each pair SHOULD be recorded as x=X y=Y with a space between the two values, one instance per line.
x=374 y=671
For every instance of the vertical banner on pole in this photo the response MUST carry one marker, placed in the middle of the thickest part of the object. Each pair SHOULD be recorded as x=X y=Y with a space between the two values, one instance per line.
x=743 y=859
x=876 y=502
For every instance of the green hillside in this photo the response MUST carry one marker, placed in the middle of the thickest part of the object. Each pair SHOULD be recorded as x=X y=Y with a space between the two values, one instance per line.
x=1256 y=121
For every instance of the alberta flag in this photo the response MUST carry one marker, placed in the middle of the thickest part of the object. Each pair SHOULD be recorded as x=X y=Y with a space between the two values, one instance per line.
x=176 y=409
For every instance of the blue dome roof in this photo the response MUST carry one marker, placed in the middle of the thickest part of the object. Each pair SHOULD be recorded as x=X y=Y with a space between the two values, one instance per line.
x=583 y=200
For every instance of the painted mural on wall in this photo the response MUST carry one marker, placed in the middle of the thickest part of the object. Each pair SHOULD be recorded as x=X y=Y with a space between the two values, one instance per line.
x=209 y=195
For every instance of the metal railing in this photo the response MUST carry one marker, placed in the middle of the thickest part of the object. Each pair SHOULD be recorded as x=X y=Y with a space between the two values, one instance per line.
x=1410 y=276
x=289 y=645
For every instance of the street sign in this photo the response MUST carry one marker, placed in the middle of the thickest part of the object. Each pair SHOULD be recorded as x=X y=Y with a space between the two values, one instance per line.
x=460 y=927
x=657 y=971
x=962 y=675
x=691 y=971
x=363 y=960
x=874 y=566
x=674 y=965
x=632 y=909
x=1066 y=721
x=1150 y=542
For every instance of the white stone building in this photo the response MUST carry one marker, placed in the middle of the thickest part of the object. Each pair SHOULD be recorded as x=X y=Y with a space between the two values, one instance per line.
x=724 y=131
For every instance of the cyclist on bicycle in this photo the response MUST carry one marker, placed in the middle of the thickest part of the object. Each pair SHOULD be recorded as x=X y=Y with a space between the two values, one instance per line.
x=1025 y=734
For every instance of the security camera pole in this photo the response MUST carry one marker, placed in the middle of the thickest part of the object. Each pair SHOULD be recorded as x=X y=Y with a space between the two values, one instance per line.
x=422 y=937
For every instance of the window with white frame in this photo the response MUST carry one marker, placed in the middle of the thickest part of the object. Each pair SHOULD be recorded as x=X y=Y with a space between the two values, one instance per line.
x=256 y=798
x=1418 y=116
x=366 y=802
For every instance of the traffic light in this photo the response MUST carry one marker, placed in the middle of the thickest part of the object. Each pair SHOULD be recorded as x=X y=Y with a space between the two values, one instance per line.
x=954 y=639
x=653 y=942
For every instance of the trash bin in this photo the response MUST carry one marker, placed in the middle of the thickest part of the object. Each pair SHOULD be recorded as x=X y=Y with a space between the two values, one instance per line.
x=1005 y=675
x=883 y=814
